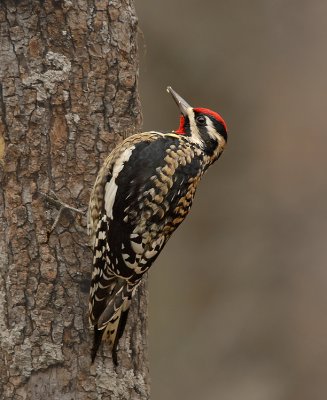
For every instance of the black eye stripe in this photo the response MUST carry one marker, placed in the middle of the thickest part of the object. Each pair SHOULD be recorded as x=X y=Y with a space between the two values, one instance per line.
x=201 y=120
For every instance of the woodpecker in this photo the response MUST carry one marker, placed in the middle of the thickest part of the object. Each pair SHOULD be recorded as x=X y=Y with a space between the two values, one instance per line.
x=142 y=193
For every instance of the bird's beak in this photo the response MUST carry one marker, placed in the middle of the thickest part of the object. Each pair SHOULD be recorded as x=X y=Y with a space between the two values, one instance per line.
x=182 y=104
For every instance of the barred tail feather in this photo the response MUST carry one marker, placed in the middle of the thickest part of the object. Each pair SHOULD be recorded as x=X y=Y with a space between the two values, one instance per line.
x=111 y=323
x=108 y=333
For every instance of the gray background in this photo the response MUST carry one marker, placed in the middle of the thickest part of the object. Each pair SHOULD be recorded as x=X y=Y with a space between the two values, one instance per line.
x=238 y=297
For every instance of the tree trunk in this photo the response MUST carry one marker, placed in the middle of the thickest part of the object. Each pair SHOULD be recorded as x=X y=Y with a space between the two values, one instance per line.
x=68 y=94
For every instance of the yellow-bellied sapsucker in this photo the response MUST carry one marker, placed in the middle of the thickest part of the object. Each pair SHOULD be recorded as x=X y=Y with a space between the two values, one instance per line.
x=143 y=191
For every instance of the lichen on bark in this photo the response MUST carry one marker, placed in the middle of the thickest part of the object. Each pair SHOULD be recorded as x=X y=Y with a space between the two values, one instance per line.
x=68 y=94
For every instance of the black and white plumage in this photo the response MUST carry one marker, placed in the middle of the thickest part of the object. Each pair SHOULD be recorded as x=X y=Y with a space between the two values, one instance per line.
x=142 y=193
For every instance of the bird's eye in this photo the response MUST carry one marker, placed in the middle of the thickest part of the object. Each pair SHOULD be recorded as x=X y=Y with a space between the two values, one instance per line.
x=201 y=120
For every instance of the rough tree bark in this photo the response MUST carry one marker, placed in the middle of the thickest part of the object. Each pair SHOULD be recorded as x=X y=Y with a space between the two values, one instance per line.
x=68 y=94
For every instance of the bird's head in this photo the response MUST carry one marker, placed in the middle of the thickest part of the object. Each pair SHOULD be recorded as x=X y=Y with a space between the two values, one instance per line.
x=203 y=126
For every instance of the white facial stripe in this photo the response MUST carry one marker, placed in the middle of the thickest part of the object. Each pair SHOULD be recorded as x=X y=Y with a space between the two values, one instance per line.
x=212 y=132
x=211 y=129
x=111 y=187
x=194 y=129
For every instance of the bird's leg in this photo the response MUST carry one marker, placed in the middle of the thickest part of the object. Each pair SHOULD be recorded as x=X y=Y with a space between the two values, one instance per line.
x=54 y=199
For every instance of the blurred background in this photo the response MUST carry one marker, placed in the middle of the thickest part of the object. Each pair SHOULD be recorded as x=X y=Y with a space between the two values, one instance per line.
x=238 y=298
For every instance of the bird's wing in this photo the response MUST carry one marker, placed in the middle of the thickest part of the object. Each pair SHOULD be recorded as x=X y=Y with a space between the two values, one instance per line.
x=147 y=189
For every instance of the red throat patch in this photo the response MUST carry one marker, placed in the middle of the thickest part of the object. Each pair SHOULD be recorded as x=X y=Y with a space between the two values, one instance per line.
x=181 y=128
x=213 y=114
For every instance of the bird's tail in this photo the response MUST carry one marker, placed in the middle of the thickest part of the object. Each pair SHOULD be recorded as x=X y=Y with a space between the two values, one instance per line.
x=111 y=324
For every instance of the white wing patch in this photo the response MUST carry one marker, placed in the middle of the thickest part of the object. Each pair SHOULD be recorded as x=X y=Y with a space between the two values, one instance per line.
x=111 y=186
x=110 y=195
